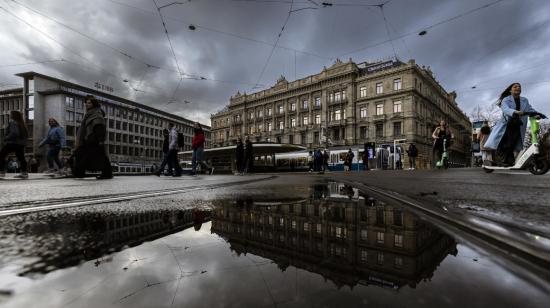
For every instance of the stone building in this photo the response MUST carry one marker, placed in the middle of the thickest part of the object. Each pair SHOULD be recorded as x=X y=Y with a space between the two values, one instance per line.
x=349 y=104
x=134 y=131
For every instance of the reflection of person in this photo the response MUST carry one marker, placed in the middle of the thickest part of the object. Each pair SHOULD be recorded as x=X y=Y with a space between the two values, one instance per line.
x=239 y=156
x=90 y=151
x=507 y=135
x=55 y=140
x=15 y=141
x=441 y=134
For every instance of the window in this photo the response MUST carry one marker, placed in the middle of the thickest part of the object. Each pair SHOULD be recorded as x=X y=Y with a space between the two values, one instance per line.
x=281 y=222
x=281 y=125
x=339 y=233
x=397 y=217
x=268 y=112
x=280 y=109
x=380 y=258
x=79 y=117
x=397 y=128
x=260 y=113
x=363 y=132
x=379 y=109
x=69 y=116
x=363 y=112
x=364 y=255
x=305 y=120
x=379 y=88
x=337 y=115
x=338 y=96
x=306 y=226
x=291 y=139
x=293 y=225
x=331 y=97
x=260 y=127
x=292 y=122
x=380 y=216
x=397 y=106
x=251 y=115
x=317 y=102
x=364 y=234
x=398 y=240
x=292 y=106
x=268 y=124
x=304 y=104
x=380 y=237
x=398 y=262
x=363 y=92
x=69 y=102
x=397 y=84
x=318 y=228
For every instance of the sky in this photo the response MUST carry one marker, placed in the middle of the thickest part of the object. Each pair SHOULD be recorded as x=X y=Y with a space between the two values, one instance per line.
x=474 y=47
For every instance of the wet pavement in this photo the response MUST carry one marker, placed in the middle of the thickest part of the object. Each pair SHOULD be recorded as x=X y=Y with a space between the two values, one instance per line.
x=307 y=243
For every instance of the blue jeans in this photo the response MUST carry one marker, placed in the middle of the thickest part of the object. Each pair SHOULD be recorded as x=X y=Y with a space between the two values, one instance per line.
x=53 y=156
x=197 y=158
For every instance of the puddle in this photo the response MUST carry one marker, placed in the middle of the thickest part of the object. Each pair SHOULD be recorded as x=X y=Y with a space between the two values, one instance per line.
x=332 y=247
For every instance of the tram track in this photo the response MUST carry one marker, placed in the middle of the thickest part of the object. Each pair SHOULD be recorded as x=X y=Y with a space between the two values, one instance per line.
x=27 y=207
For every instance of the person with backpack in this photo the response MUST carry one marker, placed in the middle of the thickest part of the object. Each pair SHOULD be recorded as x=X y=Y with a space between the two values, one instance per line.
x=55 y=139
x=15 y=141
x=198 y=150
x=173 y=148
x=412 y=152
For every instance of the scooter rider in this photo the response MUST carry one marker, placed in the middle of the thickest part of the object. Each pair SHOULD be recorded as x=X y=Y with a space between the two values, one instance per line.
x=440 y=134
x=507 y=135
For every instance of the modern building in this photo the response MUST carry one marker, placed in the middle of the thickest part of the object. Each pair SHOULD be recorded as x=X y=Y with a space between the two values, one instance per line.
x=134 y=130
x=349 y=104
x=348 y=238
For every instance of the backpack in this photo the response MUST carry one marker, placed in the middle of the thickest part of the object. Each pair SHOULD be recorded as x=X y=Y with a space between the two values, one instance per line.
x=413 y=152
x=181 y=140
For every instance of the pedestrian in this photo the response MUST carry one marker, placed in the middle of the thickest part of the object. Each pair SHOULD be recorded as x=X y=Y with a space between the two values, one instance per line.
x=486 y=154
x=509 y=131
x=325 y=160
x=397 y=156
x=350 y=157
x=318 y=160
x=90 y=150
x=33 y=164
x=239 y=155
x=412 y=152
x=248 y=155
x=165 y=158
x=173 y=151
x=310 y=161
x=15 y=140
x=440 y=134
x=198 y=150
x=365 y=158
x=55 y=139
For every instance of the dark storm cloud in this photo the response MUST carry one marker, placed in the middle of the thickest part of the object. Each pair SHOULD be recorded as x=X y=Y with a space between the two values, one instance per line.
x=486 y=49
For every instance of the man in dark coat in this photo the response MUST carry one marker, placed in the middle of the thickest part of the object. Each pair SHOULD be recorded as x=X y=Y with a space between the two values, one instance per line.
x=239 y=156
x=248 y=156
x=90 y=151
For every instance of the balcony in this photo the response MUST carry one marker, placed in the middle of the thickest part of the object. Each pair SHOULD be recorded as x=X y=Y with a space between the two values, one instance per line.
x=338 y=102
x=337 y=122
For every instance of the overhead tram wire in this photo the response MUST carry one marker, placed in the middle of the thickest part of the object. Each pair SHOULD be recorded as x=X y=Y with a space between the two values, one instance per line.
x=421 y=29
x=275 y=45
x=31 y=63
x=222 y=32
x=168 y=37
x=381 y=7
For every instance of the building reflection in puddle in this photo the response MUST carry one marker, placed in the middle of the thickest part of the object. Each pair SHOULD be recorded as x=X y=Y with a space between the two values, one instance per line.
x=60 y=241
x=346 y=237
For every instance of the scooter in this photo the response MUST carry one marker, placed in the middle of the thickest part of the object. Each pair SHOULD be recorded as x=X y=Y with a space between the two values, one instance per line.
x=444 y=161
x=535 y=158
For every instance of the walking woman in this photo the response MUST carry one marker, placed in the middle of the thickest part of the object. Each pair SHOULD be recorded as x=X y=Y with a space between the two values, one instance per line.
x=440 y=134
x=197 y=144
x=55 y=141
x=508 y=133
x=14 y=142
x=90 y=151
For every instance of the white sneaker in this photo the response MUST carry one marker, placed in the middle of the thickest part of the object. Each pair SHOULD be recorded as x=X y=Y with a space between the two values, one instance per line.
x=49 y=171
x=22 y=175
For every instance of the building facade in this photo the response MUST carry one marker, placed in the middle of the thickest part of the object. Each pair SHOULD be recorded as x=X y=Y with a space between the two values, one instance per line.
x=349 y=104
x=134 y=131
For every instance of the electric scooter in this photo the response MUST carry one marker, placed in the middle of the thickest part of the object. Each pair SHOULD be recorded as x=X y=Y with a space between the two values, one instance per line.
x=535 y=158
x=444 y=161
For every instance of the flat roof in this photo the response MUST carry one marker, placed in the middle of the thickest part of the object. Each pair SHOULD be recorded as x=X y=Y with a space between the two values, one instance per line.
x=107 y=95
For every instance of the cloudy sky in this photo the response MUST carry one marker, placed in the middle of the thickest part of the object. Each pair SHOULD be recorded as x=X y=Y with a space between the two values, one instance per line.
x=236 y=46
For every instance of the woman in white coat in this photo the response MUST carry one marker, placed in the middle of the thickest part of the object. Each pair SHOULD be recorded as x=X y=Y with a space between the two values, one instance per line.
x=508 y=133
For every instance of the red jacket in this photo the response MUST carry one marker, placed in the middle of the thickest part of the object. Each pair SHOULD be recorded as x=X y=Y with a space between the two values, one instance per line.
x=198 y=141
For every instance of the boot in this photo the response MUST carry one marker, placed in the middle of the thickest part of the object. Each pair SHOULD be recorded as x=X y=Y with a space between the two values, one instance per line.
x=22 y=175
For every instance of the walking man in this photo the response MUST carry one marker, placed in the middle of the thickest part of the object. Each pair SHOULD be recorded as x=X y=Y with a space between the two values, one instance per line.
x=412 y=152
x=173 y=151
